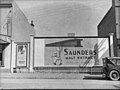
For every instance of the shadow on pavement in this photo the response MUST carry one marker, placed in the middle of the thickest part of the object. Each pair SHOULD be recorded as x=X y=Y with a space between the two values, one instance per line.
x=118 y=87
x=94 y=77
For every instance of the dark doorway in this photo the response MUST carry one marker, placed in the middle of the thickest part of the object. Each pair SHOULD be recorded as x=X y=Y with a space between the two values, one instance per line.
x=1 y=60
x=2 y=47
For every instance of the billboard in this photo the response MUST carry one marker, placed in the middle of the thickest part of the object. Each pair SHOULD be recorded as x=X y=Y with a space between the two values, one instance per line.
x=73 y=51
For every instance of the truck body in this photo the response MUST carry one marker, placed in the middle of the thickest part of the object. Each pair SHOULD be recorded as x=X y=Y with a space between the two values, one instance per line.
x=111 y=68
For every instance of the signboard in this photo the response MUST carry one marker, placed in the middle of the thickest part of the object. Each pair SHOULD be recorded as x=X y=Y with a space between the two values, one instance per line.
x=71 y=51
x=22 y=55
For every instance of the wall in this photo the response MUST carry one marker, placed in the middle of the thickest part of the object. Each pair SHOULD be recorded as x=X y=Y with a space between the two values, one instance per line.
x=13 y=56
x=107 y=26
x=116 y=6
x=4 y=16
x=7 y=56
x=20 y=26
x=39 y=52
x=71 y=51
x=4 y=20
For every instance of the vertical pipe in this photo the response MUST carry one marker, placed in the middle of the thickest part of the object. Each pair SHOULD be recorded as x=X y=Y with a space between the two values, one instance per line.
x=31 y=52
x=111 y=44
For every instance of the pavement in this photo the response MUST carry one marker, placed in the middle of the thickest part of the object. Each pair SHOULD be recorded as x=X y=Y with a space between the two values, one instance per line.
x=58 y=84
x=55 y=81
x=42 y=75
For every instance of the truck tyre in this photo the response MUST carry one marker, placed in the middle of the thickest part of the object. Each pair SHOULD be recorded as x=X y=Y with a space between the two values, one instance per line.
x=114 y=75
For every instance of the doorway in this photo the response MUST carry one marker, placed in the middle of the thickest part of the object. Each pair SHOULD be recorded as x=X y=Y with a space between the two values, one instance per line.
x=1 y=60
x=2 y=47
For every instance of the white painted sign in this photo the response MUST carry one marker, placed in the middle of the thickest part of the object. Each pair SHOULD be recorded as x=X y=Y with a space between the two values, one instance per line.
x=71 y=51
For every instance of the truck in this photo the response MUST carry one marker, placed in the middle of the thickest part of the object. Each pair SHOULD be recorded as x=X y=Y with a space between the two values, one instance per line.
x=111 y=68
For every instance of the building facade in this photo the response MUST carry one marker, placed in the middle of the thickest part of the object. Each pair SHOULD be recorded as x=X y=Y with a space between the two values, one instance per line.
x=15 y=33
x=22 y=51
x=111 y=24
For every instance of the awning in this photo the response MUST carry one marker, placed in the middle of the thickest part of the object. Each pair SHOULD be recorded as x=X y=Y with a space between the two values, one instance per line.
x=3 y=42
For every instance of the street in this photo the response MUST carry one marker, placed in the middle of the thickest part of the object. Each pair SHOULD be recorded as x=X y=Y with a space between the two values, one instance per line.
x=87 y=83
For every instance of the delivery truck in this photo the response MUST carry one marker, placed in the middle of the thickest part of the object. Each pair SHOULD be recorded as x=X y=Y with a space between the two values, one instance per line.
x=111 y=68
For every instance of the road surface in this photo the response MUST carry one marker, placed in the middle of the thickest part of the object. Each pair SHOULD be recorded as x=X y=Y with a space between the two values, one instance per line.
x=88 y=83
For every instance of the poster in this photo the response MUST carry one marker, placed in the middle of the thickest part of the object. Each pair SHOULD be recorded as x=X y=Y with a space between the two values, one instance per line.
x=21 y=55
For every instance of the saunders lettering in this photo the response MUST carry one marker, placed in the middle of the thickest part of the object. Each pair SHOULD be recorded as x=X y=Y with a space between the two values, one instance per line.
x=66 y=52
x=79 y=52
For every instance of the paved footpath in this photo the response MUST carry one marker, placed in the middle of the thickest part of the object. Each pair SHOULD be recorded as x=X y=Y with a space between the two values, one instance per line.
x=42 y=75
x=55 y=81
x=58 y=84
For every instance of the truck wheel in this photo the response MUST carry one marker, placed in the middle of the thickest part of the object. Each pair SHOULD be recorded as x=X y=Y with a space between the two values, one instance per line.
x=114 y=75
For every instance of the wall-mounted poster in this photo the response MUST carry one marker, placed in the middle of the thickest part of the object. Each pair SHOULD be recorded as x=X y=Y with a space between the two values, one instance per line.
x=22 y=55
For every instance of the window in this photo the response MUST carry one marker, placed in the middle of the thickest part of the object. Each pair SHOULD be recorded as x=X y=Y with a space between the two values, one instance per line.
x=113 y=61
x=118 y=62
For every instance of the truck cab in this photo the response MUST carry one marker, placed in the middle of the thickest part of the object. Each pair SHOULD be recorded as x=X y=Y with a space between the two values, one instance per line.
x=111 y=68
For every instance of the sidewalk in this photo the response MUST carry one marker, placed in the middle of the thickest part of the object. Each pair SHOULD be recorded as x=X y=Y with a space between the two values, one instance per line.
x=54 y=73
x=47 y=76
x=41 y=75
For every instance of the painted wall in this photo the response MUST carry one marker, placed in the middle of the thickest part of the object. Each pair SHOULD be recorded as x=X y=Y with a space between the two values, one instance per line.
x=20 y=25
x=4 y=17
x=39 y=46
x=6 y=56
x=13 y=56
x=89 y=53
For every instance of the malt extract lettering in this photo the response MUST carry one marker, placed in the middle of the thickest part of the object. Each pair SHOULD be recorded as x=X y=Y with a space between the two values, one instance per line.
x=79 y=52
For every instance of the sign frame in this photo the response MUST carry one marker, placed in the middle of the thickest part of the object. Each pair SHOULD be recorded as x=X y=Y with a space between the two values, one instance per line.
x=77 y=38
x=25 y=64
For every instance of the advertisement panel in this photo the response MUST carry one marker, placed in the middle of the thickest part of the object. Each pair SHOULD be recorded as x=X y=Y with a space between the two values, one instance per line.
x=21 y=55
x=72 y=51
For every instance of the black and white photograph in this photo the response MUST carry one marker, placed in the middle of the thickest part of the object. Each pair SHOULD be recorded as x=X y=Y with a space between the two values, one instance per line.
x=59 y=44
